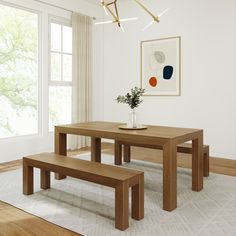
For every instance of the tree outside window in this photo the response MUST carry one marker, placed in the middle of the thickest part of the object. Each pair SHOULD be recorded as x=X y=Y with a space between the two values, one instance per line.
x=18 y=72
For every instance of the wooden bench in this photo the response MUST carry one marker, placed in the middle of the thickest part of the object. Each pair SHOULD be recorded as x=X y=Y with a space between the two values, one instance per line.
x=116 y=177
x=183 y=148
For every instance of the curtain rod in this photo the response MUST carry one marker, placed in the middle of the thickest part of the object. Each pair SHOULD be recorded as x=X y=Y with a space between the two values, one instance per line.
x=62 y=8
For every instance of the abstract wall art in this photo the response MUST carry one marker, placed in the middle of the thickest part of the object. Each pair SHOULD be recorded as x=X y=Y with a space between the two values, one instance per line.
x=160 y=66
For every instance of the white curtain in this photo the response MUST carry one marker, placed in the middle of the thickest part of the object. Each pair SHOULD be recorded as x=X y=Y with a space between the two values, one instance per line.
x=82 y=75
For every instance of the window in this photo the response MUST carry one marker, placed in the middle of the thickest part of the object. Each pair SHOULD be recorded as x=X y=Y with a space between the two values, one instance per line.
x=60 y=85
x=18 y=72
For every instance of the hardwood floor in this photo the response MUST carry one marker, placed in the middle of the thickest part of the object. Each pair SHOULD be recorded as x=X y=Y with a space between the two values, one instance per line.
x=15 y=222
x=12 y=165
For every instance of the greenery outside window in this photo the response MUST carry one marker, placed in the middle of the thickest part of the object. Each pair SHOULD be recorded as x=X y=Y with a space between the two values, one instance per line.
x=19 y=72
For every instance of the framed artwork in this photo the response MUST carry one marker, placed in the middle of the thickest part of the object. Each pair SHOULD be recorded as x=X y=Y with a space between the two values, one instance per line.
x=161 y=66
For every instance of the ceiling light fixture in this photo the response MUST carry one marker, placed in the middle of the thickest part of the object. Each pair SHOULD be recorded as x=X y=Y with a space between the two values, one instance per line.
x=112 y=9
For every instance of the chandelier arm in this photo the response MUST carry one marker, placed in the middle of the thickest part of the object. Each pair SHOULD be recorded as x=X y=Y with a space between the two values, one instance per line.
x=106 y=5
x=148 y=25
x=112 y=14
x=156 y=18
x=117 y=14
x=111 y=3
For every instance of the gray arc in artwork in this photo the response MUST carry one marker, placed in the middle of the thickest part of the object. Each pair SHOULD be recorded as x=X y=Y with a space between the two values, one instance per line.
x=159 y=56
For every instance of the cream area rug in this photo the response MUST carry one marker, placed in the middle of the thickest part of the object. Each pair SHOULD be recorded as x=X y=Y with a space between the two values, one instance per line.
x=88 y=208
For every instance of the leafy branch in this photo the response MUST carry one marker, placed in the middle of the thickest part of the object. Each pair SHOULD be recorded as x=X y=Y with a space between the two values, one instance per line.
x=133 y=99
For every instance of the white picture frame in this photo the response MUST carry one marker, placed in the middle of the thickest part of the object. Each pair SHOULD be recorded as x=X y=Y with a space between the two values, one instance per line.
x=161 y=66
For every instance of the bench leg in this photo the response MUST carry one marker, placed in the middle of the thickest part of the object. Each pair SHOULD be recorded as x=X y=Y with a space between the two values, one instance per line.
x=126 y=153
x=138 y=199
x=118 y=153
x=206 y=162
x=122 y=206
x=28 y=179
x=44 y=179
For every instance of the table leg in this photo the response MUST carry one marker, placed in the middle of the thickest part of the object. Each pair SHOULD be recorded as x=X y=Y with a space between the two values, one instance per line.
x=197 y=163
x=127 y=153
x=96 y=149
x=206 y=163
x=169 y=176
x=118 y=153
x=60 y=148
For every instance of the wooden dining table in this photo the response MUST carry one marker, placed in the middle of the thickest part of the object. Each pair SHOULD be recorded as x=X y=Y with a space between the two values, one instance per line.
x=166 y=137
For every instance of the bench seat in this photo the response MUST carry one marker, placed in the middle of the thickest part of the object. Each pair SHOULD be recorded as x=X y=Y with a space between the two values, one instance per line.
x=112 y=176
x=182 y=148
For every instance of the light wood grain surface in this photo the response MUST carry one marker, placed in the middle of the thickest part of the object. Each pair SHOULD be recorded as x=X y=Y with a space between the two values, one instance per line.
x=116 y=177
x=110 y=130
x=166 y=137
x=15 y=222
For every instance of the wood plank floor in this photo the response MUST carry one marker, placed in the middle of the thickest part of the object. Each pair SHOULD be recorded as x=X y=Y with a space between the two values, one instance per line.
x=15 y=222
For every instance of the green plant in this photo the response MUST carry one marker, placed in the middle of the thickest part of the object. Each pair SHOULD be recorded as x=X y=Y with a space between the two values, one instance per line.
x=133 y=99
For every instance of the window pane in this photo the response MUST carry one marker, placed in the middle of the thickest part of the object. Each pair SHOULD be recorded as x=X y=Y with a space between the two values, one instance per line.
x=55 y=37
x=18 y=72
x=60 y=104
x=55 y=66
x=67 y=67
x=67 y=39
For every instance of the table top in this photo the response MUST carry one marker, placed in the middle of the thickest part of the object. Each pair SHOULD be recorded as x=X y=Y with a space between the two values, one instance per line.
x=110 y=130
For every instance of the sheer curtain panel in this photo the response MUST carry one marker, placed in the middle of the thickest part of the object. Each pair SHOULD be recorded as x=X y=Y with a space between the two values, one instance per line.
x=82 y=75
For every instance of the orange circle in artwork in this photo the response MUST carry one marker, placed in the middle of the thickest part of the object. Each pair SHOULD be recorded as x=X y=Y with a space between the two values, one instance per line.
x=153 y=81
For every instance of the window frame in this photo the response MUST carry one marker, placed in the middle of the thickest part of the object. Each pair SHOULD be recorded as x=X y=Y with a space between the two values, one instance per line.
x=45 y=13
x=62 y=83
x=64 y=22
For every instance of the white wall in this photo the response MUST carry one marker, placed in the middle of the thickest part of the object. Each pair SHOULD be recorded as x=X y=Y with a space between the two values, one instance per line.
x=15 y=148
x=208 y=100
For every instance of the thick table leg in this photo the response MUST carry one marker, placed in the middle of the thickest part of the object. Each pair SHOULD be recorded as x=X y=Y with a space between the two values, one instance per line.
x=126 y=153
x=122 y=206
x=197 y=163
x=118 y=153
x=60 y=148
x=138 y=199
x=96 y=149
x=169 y=176
x=206 y=162
x=28 y=179
x=44 y=179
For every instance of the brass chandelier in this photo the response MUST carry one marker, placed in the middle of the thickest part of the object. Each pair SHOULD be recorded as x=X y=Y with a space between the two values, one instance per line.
x=110 y=7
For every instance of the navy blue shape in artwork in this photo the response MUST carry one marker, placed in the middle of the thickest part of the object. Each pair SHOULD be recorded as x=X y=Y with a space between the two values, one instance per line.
x=168 y=72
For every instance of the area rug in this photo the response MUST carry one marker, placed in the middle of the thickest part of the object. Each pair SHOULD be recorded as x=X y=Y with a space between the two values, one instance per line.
x=88 y=208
